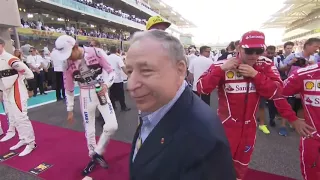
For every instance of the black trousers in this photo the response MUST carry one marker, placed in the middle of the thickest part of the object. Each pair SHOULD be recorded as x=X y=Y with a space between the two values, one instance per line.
x=117 y=94
x=48 y=76
x=295 y=103
x=272 y=110
x=38 y=83
x=204 y=97
x=59 y=85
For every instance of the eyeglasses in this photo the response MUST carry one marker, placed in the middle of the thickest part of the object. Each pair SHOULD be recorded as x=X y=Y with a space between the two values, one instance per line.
x=251 y=51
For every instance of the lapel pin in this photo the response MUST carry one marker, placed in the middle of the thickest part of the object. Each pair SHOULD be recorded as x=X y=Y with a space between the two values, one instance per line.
x=162 y=140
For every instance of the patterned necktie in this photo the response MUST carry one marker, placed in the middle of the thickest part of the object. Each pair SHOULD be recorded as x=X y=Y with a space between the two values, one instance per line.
x=139 y=139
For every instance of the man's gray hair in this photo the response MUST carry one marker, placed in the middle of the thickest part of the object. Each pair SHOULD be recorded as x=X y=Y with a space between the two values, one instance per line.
x=170 y=43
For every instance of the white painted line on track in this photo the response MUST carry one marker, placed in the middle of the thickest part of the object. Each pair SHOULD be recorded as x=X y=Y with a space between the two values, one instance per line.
x=44 y=103
x=41 y=104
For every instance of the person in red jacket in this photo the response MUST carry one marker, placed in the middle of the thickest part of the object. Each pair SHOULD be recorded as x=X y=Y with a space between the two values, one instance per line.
x=241 y=81
x=306 y=82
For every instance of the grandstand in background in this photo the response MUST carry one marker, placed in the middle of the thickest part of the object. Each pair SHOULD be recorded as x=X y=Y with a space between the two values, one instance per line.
x=111 y=22
x=301 y=20
x=186 y=39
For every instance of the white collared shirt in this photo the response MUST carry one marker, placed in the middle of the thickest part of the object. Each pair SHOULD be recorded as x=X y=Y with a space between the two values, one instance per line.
x=35 y=61
x=117 y=64
x=198 y=66
x=46 y=61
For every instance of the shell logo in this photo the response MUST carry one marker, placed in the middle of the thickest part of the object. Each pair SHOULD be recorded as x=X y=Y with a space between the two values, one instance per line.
x=309 y=85
x=230 y=74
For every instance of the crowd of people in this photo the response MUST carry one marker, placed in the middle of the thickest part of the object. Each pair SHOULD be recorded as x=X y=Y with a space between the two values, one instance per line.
x=70 y=30
x=108 y=9
x=176 y=121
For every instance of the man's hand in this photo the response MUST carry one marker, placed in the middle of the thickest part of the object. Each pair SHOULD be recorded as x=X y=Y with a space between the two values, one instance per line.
x=247 y=71
x=37 y=71
x=232 y=63
x=70 y=117
x=303 y=128
x=103 y=91
x=30 y=93
x=45 y=70
x=292 y=61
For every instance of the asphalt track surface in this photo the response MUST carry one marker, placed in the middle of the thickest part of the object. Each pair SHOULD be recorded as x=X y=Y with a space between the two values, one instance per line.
x=273 y=153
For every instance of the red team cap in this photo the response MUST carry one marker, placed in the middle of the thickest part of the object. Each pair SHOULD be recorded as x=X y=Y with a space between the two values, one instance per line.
x=253 y=39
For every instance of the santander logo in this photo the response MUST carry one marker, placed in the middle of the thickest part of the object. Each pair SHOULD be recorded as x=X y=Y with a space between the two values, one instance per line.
x=240 y=87
x=229 y=88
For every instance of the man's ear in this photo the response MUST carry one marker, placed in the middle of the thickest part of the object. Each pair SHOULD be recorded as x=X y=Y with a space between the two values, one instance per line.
x=182 y=67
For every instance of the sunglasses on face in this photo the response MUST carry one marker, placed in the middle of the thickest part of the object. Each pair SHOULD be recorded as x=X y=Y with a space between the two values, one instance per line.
x=251 y=51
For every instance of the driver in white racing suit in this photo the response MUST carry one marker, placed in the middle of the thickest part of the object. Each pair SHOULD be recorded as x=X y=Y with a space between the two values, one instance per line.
x=15 y=96
x=89 y=67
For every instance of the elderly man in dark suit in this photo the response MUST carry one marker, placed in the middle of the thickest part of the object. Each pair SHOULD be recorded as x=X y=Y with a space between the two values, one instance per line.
x=179 y=137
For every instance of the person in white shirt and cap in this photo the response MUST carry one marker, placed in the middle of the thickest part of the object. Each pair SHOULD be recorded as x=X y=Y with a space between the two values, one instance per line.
x=198 y=66
x=116 y=90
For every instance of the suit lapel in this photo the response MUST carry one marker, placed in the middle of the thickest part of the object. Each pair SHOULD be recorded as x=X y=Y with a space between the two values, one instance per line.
x=163 y=133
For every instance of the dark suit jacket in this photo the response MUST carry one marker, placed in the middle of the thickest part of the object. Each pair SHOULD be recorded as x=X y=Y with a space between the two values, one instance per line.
x=188 y=143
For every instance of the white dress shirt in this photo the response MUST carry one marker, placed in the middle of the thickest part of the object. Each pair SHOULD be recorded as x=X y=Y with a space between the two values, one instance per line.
x=46 y=61
x=198 y=66
x=35 y=61
x=117 y=64
x=58 y=65
x=190 y=57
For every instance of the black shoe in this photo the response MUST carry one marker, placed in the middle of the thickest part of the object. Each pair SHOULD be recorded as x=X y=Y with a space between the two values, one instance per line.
x=99 y=159
x=89 y=168
x=272 y=123
x=125 y=109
